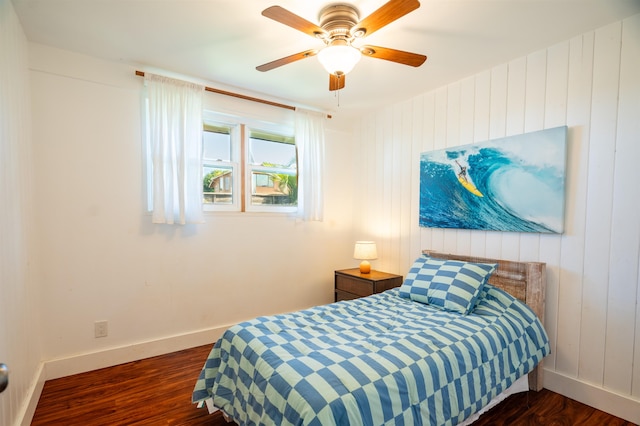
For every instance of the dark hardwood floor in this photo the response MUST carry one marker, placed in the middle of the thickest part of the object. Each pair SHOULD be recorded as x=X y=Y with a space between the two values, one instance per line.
x=157 y=391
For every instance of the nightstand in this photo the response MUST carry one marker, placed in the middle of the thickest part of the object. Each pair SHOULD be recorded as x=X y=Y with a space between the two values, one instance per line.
x=351 y=284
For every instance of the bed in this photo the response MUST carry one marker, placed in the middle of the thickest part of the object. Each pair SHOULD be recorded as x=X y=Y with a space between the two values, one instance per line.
x=459 y=332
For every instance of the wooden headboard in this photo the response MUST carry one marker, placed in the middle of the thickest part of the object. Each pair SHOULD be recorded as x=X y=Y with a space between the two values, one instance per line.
x=524 y=280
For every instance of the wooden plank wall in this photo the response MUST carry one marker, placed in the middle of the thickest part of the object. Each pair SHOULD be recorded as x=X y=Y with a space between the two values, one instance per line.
x=590 y=83
x=19 y=314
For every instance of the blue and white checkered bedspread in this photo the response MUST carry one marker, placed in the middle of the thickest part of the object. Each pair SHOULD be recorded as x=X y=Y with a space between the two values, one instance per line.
x=379 y=360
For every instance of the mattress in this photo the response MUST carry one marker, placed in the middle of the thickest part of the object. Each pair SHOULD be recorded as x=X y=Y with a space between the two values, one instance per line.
x=377 y=360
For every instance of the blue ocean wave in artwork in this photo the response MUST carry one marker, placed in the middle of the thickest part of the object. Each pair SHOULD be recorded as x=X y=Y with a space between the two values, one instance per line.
x=520 y=193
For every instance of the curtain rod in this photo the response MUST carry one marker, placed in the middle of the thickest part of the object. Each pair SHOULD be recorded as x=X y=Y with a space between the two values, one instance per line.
x=238 y=95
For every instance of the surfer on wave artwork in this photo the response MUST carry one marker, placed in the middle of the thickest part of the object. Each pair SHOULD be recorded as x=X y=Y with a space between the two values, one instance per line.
x=511 y=184
x=465 y=179
x=463 y=171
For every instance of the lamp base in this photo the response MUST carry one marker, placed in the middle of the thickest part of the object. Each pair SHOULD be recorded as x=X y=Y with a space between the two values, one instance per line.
x=365 y=267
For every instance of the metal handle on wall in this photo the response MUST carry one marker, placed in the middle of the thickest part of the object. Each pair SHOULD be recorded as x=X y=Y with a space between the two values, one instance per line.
x=4 y=377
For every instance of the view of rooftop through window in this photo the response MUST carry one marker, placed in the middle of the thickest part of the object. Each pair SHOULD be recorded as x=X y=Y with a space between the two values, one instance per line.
x=271 y=164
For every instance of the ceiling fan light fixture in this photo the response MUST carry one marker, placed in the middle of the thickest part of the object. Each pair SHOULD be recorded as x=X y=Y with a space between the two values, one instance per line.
x=340 y=59
x=339 y=26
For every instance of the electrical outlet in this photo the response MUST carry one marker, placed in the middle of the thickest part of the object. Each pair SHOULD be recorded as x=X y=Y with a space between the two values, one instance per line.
x=101 y=328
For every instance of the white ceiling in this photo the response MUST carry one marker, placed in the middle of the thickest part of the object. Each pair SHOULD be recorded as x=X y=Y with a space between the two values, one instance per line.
x=222 y=41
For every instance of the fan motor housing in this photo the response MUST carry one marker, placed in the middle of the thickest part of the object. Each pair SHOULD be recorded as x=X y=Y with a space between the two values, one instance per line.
x=337 y=19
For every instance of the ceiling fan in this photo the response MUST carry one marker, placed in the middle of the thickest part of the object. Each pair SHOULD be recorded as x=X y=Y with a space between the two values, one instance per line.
x=340 y=26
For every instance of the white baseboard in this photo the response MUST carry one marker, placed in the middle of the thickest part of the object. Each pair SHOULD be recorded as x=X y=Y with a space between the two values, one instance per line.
x=31 y=401
x=605 y=400
x=82 y=363
x=56 y=368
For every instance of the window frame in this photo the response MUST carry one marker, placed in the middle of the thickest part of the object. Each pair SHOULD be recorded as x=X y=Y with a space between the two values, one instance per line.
x=234 y=163
x=242 y=181
x=250 y=168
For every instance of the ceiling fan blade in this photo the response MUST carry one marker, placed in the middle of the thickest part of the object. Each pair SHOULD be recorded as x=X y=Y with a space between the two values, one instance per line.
x=286 y=60
x=393 y=55
x=294 y=21
x=336 y=82
x=387 y=13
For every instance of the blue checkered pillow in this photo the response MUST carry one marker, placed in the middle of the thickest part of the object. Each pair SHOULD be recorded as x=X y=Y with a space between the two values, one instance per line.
x=451 y=285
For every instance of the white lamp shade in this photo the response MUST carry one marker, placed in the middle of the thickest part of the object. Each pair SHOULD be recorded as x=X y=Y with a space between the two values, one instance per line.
x=339 y=59
x=365 y=250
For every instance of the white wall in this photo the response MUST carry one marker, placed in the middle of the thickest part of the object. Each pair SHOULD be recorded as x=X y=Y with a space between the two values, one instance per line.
x=161 y=288
x=591 y=83
x=19 y=334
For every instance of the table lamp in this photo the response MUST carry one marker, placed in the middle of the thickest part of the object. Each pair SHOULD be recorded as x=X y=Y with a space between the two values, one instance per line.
x=365 y=251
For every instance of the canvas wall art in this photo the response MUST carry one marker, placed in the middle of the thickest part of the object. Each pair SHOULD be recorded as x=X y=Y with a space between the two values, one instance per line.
x=514 y=184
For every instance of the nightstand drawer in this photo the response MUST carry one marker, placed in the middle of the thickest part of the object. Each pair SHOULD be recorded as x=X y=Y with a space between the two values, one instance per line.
x=343 y=295
x=354 y=286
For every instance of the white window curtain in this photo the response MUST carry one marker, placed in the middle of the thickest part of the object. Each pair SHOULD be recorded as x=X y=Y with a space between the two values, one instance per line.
x=174 y=132
x=309 y=133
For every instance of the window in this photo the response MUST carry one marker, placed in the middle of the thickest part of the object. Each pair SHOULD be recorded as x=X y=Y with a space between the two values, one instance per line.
x=247 y=169
x=219 y=166
x=272 y=167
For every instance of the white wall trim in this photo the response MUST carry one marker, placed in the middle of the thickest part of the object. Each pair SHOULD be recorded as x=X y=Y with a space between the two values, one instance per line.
x=28 y=409
x=56 y=368
x=595 y=396
x=82 y=363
